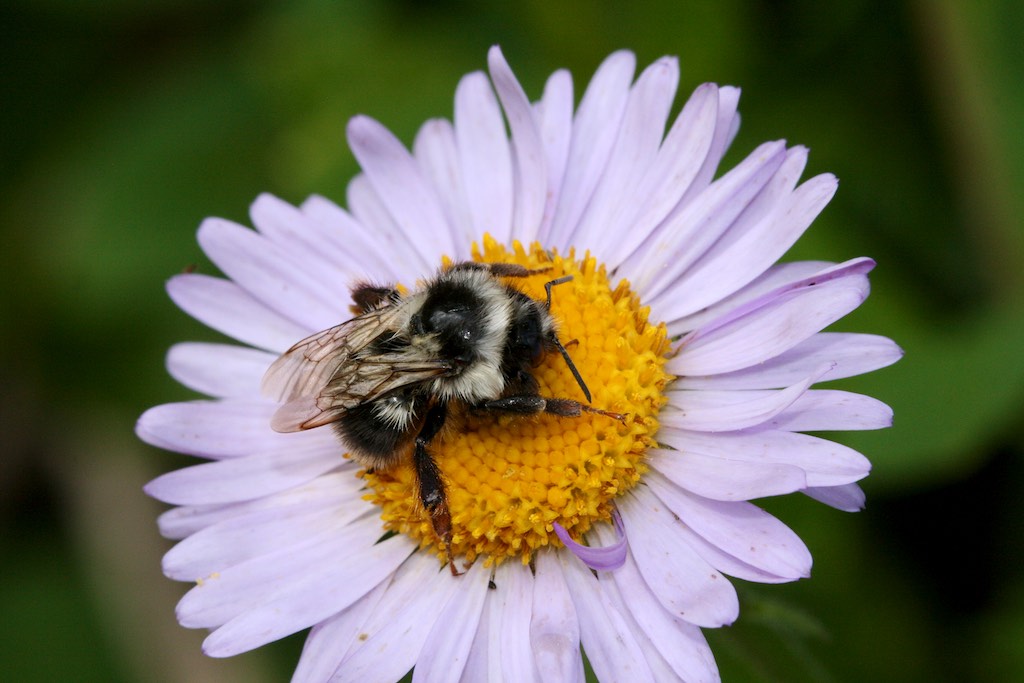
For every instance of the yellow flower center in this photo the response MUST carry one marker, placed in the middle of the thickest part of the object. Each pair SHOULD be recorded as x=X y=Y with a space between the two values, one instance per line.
x=510 y=478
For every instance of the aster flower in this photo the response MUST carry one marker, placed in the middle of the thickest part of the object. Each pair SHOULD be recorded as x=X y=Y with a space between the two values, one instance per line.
x=613 y=535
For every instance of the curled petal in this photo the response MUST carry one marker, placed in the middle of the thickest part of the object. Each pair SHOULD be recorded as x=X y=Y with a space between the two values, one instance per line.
x=608 y=558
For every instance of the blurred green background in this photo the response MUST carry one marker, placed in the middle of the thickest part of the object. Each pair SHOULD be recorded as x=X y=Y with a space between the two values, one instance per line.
x=125 y=123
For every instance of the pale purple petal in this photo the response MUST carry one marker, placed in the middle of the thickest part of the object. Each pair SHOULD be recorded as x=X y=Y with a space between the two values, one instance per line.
x=554 y=628
x=330 y=639
x=485 y=157
x=680 y=643
x=528 y=162
x=396 y=630
x=661 y=188
x=245 y=478
x=846 y=497
x=261 y=532
x=740 y=529
x=553 y=114
x=779 y=275
x=640 y=134
x=277 y=279
x=606 y=558
x=762 y=234
x=438 y=157
x=594 y=130
x=227 y=594
x=821 y=410
x=501 y=650
x=679 y=241
x=851 y=354
x=608 y=641
x=718 y=411
x=369 y=210
x=374 y=251
x=226 y=307
x=684 y=583
x=448 y=643
x=727 y=124
x=307 y=241
x=515 y=594
x=779 y=322
x=720 y=478
x=219 y=370
x=181 y=522
x=397 y=180
x=323 y=588
x=227 y=428
x=825 y=463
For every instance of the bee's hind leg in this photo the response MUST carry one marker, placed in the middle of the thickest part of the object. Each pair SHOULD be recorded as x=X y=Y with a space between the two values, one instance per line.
x=432 y=493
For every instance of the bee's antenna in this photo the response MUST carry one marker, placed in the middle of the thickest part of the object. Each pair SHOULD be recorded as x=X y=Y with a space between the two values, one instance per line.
x=547 y=288
x=572 y=367
x=558 y=345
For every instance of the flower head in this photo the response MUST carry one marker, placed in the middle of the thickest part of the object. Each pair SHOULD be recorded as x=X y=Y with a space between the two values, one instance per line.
x=605 y=517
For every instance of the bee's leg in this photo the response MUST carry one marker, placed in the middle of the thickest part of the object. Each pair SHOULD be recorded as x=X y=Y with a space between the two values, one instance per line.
x=531 y=405
x=369 y=297
x=432 y=493
x=502 y=269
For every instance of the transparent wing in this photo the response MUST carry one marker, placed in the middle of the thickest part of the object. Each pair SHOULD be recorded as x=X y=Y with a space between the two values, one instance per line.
x=327 y=374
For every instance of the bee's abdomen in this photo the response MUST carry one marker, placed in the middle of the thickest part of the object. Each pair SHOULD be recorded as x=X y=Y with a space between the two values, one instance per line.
x=377 y=438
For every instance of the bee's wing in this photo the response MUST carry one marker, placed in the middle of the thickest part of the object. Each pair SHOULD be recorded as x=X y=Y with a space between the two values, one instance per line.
x=320 y=378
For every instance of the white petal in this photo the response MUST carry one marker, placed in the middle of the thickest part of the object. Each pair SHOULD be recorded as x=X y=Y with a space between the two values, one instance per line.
x=594 y=131
x=220 y=370
x=681 y=644
x=447 y=646
x=396 y=179
x=640 y=134
x=553 y=114
x=687 y=586
x=528 y=162
x=226 y=307
x=824 y=462
x=392 y=638
x=719 y=478
x=851 y=354
x=554 y=629
x=609 y=643
x=484 y=156
x=740 y=529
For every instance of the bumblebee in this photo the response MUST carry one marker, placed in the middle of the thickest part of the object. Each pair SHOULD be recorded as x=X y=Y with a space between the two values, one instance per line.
x=388 y=379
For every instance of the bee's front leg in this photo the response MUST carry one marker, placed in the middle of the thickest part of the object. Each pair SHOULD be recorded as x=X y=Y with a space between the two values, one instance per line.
x=431 y=484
